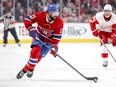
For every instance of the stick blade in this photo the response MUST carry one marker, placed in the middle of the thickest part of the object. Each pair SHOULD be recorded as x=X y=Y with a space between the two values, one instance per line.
x=95 y=79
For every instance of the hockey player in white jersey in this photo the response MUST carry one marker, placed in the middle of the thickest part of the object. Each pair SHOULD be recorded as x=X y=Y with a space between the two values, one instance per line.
x=103 y=25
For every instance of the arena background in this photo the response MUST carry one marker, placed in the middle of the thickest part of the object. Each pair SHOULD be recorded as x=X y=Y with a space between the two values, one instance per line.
x=75 y=13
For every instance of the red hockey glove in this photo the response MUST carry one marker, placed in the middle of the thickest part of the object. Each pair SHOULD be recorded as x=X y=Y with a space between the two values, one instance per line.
x=113 y=38
x=54 y=51
x=95 y=33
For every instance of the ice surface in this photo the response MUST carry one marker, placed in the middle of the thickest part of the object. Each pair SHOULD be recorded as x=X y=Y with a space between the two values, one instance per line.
x=53 y=72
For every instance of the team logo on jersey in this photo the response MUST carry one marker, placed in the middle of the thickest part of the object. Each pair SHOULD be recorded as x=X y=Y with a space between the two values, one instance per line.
x=46 y=32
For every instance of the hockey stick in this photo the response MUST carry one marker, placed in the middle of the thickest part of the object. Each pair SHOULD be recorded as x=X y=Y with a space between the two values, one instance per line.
x=108 y=50
x=95 y=79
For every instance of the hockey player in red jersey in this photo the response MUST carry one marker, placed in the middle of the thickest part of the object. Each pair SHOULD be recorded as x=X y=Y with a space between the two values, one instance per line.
x=103 y=25
x=49 y=30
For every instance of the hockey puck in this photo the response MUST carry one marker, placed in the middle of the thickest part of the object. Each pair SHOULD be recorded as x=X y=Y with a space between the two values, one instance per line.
x=95 y=79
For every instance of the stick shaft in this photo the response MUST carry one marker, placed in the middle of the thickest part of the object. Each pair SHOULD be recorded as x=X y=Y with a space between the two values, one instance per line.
x=108 y=50
x=87 y=78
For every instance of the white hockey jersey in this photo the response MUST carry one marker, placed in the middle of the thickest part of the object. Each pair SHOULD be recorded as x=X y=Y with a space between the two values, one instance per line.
x=101 y=24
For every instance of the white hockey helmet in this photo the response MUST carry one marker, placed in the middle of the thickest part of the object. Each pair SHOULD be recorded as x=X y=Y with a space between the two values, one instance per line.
x=108 y=7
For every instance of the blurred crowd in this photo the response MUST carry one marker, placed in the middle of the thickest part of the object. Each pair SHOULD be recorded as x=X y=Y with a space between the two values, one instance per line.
x=74 y=11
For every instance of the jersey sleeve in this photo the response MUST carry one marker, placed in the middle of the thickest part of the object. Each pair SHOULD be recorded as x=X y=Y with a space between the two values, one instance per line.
x=93 y=22
x=114 y=29
x=13 y=20
x=1 y=18
x=58 y=34
x=29 y=20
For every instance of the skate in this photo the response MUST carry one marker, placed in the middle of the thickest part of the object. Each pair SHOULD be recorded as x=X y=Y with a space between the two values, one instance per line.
x=29 y=74
x=19 y=44
x=20 y=74
x=105 y=64
x=4 y=45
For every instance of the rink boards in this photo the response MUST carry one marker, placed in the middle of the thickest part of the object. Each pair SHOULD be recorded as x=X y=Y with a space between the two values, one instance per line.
x=72 y=32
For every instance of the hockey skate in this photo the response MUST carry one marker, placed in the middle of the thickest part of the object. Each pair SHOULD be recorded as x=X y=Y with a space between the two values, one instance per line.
x=105 y=64
x=20 y=74
x=4 y=45
x=29 y=74
x=19 y=44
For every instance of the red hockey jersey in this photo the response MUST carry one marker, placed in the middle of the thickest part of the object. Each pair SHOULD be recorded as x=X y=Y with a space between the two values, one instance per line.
x=50 y=31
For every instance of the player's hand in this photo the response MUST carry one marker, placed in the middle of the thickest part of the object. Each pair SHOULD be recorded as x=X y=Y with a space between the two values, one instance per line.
x=96 y=33
x=54 y=51
x=5 y=28
x=113 y=38
x=32 y=32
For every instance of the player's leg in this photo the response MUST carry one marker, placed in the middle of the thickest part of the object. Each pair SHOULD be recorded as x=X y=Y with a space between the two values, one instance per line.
x=44 y=52
x=32 y=62
x=5 y=41
x=104 y=53
x=30 y=72
x=14 y=34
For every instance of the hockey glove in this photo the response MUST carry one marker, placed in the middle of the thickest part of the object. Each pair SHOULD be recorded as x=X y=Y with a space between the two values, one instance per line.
x=32 y=32
x=95 y=33
x=54 y=51
x=113 y=38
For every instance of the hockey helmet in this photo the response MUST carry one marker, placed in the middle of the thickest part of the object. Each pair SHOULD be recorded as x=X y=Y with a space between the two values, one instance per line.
x=52 y=8
x=108 y=7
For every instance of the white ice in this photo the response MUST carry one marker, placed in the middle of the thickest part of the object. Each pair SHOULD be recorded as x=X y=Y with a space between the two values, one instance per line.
x=53 y=72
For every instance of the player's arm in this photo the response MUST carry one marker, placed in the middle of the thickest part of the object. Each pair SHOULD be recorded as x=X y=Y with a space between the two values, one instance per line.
x=114 y=29
x=1 y=19
x=56 y=39
x=93 y=22
x=113 y=34
x=57 y=35
x=28 y=21
x=13 y=20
